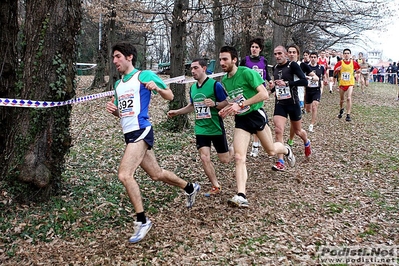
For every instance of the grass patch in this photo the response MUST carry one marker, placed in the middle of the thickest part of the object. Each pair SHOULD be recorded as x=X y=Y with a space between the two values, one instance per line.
x=371 y=230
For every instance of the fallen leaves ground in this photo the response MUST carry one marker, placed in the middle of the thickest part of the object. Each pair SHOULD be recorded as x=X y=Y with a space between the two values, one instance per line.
x=346 y=194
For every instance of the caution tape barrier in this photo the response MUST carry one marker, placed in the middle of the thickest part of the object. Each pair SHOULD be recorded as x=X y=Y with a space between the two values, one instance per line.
x=48 y=104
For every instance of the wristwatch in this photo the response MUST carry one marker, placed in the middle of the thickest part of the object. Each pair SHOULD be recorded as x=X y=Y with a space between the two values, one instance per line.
x=241 y=104
x=216 y=104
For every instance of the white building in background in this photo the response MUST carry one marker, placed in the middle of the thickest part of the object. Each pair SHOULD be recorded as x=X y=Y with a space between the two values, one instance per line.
x=374 y=57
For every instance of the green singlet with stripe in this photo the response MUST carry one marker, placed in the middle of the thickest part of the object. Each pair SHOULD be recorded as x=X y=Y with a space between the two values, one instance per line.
x=207 y=121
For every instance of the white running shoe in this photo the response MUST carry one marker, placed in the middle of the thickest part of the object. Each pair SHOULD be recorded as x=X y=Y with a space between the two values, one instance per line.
x=191 y=197
x=140 y=230
x=238 y=201
x=311 y=128
x=290 y=156
x=254 y=151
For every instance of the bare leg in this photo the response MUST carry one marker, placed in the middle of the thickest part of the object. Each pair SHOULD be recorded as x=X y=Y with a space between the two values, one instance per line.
x=349 y=99
x=341 y=98
x=299 y=131
x=226 y=157
x=292 y=131
x=152 y=168
x=240 y=143
x=315 y=105
x=134 y=154
x=279 y=125
x=205 y=155
x=272 y=148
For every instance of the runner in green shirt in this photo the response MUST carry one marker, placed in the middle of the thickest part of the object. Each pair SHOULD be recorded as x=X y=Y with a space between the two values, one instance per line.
x=207 y=97
x=246 y=95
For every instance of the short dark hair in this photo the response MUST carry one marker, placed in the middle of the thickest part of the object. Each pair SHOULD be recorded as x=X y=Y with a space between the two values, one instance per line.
x=306 y=52
x=259 y=41
x=347 y=49
x=231 y=50
x=126 y=48
x=314 y=53
x=200 y=61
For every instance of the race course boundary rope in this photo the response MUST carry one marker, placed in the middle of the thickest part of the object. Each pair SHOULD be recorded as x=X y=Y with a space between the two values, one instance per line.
x=48 y=104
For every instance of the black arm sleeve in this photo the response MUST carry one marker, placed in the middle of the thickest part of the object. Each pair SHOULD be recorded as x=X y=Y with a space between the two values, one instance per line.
x=305 y=68
x=296 y=70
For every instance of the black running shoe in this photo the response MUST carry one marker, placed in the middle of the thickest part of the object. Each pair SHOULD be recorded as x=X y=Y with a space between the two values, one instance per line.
x=340 y=113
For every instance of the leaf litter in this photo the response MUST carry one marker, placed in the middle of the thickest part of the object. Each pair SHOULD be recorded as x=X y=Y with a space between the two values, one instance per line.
x=346 y=194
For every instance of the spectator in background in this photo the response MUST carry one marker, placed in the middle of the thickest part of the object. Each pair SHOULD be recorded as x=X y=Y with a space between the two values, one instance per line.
x=381 y=74
x=394 y=71
x=397 y=73
x=374 y=71
x=390 y=71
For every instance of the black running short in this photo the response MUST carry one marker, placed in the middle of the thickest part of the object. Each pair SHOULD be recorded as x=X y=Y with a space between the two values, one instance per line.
x=312 y=95
x=252 y=122
x=219 y=142
x=292 y=110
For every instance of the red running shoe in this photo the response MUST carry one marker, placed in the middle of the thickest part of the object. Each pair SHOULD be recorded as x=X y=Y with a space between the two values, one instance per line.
x=308 y=150
x=278 y=167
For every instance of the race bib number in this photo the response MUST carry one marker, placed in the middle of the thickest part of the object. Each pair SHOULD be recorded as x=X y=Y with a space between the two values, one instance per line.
x=365 y=71
x=283 y=93
x=313 y=83
x=259 y=70
x=345 y=76
x=125 y=104
x=202 y=111
x=238 y=99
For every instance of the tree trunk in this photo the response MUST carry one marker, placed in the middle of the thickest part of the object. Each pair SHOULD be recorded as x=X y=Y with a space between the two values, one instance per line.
x=102 y=57
x=144 y=61
x=40 y=138
x=279 y=33
x=8 y=69
x=177 y=66
x=219 y=31
x=113 y=73
x=246 y=34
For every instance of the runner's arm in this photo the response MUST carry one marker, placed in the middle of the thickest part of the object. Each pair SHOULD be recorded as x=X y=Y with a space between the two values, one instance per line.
x=184 y=110
x=261 y=96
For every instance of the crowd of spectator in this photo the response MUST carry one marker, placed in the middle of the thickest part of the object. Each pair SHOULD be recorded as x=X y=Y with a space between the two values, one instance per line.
x=385 y=74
